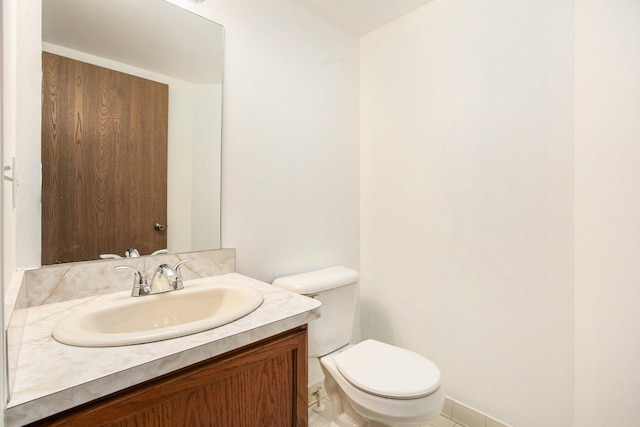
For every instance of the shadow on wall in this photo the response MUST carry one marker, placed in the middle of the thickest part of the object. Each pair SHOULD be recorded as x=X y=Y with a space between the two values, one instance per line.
x=376 y=323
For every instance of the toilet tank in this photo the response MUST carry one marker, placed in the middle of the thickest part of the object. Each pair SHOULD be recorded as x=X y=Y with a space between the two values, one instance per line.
x=337 y=289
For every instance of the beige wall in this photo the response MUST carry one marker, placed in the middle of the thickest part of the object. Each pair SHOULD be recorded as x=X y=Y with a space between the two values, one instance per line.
x=607 y=200
x=467 y=200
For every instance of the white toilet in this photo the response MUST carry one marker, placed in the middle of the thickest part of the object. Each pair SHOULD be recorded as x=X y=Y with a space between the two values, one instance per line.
x=370 y=383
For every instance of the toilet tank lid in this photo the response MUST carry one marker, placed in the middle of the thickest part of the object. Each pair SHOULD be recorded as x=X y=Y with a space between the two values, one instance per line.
x=317 y=281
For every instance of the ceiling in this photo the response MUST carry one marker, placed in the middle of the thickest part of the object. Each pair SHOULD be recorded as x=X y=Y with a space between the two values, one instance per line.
x=149 y=34
x=107 y=29
x=362 y=16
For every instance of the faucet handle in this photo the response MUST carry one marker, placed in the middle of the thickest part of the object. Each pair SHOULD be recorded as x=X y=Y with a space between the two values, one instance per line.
x=177 y=283
x=131 y=253
x=179 y=263
x=140 y=284
x=164 y=279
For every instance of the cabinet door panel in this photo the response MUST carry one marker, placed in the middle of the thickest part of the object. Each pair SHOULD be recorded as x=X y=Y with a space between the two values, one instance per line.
x=263 y=385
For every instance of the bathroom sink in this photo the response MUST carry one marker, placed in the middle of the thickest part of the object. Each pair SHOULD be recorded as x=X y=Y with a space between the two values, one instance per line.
x=119 y=319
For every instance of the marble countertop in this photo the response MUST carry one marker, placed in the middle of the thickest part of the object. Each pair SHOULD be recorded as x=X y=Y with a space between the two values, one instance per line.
x=52 y=377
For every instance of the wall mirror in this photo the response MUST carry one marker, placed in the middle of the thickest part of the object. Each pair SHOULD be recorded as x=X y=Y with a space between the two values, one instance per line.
x=158 y=41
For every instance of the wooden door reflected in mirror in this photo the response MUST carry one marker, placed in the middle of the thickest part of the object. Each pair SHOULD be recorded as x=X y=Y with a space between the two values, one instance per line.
x=104 y=161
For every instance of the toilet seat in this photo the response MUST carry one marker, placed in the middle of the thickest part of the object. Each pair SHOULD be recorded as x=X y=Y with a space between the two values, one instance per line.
x=388 y=371
x=383 y=410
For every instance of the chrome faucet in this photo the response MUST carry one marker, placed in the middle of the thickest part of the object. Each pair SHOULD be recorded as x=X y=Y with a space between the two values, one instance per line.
x=140 y=285
x=165 y=278
x=178 y=281
x=131 y=253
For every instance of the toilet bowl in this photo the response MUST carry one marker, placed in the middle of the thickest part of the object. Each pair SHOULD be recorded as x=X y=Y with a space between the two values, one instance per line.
x=370 y=383
x=376 y=384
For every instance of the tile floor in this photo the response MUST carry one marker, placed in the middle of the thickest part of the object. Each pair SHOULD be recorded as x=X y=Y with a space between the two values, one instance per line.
x=322 y=419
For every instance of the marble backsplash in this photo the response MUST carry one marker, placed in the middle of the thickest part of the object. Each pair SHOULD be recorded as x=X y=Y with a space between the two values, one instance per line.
x=64 y=282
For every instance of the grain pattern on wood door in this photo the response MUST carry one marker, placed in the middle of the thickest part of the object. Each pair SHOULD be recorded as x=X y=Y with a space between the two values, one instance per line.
x=104 y=161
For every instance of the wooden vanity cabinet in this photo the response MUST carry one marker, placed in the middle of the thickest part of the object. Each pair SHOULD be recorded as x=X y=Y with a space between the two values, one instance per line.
x=263 y=384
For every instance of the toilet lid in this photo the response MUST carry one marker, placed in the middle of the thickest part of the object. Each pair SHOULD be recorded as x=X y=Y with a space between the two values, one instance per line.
x=388 y=371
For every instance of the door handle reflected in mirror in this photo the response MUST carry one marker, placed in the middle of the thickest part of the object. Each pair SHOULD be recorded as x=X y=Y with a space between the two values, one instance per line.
x=159 y=227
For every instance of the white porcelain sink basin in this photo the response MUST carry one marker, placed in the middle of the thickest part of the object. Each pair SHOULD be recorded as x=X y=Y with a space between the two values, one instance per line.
x=120 y=319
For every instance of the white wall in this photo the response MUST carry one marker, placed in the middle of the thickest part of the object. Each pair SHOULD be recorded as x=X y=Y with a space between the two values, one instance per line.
x=22 y=83
x=20 y=123
x=290 y=173
x=607 y=247
x=290 y=137
x=467 y=200
x=206 y=157
x=3 y=377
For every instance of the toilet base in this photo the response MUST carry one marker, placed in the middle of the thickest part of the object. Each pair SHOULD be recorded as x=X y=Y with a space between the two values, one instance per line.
x=348 y=412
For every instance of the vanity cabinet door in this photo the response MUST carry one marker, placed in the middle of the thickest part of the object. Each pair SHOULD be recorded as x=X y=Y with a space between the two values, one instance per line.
x=264 y=384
